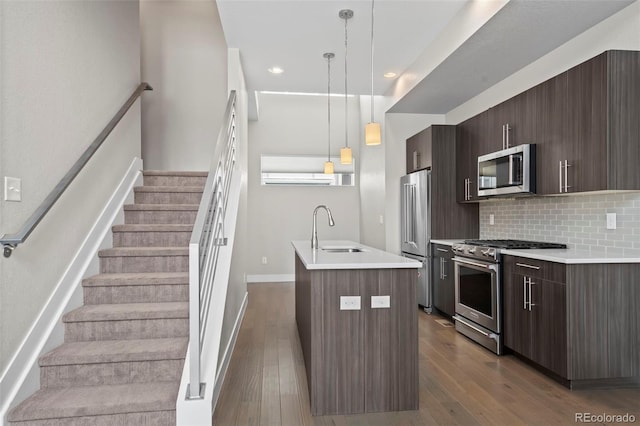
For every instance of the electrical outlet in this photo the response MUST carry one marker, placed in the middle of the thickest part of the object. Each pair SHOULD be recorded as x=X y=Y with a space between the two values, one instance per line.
x=378 y=302
x=12 y=189
x=264 y=260
x=349 y=303
x=611 y=221
x=492 y=220
x=381 y=220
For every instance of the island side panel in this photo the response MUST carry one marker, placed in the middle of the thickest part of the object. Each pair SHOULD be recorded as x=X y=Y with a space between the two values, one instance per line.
x=405 y=284
x=303 y=313
x=338 y=363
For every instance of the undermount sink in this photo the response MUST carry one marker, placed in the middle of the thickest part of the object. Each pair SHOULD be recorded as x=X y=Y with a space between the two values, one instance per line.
x=342 y=249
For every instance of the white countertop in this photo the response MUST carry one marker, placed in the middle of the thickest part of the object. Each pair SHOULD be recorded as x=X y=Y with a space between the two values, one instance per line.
x=568 y=256
x=369 y=258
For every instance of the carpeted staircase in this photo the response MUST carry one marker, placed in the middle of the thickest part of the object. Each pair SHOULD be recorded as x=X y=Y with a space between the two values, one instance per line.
x=124 y=349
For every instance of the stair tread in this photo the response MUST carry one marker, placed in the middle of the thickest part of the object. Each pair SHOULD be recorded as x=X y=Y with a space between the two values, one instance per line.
x=128 y=311
x=152 y=228
x=161 y=207
x=51 y=403
x=107 y=351
x=136 y=278
x=143 y=251
x=151 y=188
x=174 y=173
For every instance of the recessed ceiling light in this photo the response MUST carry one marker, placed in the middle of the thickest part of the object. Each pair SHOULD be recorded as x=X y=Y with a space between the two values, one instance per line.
x=389 y=74
x=275 y=70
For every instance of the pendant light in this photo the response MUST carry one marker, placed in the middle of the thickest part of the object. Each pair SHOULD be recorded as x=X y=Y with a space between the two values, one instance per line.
x=372 y=133
x=346 y=155
x=328 y=165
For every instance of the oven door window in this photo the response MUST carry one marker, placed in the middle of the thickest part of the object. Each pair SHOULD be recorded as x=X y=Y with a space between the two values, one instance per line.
x=475 y=289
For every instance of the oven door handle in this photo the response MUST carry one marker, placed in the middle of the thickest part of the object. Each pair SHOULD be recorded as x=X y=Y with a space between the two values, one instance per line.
x=476 y=264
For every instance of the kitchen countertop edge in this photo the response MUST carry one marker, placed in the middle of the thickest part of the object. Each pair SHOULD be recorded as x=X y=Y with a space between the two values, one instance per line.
x=370 y=259
x=568 y=256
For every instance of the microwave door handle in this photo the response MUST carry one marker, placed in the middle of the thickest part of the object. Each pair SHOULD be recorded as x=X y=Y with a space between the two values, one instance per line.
x=511 y=170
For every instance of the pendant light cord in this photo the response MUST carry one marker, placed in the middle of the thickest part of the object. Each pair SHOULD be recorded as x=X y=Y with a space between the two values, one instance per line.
x=346 y=111
x=329 y=105
x=372 y=9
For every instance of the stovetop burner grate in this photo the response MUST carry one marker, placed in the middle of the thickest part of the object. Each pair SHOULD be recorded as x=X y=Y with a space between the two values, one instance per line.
x=516 y=244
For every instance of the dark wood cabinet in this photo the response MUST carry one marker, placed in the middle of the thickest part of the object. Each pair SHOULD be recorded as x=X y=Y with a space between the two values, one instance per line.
x=418 y=156
x=584 y=123
x=535 y=313
x=580 y=322
x=511 y=123
x=470 y=136
x=448 y=218
x=590 y=126
x=443 y=279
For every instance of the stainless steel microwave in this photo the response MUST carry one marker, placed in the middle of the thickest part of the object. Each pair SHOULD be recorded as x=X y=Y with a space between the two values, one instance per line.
x=510 y=171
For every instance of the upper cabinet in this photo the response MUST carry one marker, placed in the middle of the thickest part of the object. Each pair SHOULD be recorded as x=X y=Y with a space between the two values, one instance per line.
x=585 y=124
x=419 y=152
x=439 y=152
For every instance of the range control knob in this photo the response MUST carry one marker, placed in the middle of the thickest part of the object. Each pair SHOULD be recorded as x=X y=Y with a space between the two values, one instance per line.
x=489 y=252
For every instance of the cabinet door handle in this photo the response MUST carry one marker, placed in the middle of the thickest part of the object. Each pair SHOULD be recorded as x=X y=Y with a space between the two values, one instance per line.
x=524 y=265
x=560 y=174
x=416 y=159
x=530 y=303
x=466 y=189
x=442 y=268
x=524 y=293
x=503 y=136
x=507 y=128
x=566 y=182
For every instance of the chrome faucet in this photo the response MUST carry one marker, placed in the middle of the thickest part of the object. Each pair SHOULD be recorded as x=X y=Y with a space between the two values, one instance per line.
x=314 y=236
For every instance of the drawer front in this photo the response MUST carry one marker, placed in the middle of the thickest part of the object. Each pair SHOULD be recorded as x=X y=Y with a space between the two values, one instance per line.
x=535 y=268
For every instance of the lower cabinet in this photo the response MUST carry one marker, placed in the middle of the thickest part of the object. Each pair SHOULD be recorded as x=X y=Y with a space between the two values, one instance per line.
x=579 y=321
x=443 y=279
x=535 y=313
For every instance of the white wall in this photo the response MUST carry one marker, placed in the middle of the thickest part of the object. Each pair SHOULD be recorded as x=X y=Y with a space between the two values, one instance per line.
x=372 y=176
x=184 y=58
x=399 y=127
x=294 y=124
x=67 y=67
x=619 y=31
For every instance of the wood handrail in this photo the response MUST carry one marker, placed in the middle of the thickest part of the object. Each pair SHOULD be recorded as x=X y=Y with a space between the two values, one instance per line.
x=11 y=241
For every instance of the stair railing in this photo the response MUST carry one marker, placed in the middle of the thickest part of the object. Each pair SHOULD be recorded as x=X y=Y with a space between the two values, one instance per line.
x=11 y=241
x=207 y=240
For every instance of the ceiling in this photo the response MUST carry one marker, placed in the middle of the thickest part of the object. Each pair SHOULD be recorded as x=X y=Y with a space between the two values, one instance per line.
x=294 y=35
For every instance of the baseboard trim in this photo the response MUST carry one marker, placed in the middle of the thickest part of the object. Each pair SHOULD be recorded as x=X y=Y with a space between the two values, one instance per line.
x=270 y=278
x=228 y=352
x=24 y=364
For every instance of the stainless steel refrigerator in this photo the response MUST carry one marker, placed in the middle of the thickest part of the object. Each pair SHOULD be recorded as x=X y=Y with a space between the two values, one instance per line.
x=415 y=228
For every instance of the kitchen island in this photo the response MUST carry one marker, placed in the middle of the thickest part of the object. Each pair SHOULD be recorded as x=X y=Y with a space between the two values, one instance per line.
x=356 y=312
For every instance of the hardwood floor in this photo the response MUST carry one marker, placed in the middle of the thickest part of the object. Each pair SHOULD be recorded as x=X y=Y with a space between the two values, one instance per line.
x=460 y=382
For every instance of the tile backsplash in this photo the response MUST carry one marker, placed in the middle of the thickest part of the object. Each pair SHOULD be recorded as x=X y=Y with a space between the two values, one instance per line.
x=576 y=220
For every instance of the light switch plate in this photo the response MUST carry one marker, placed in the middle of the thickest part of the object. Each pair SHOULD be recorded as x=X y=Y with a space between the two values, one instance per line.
x=611 y=221
x=349 y=303
x=378 y=302
x=12 y=189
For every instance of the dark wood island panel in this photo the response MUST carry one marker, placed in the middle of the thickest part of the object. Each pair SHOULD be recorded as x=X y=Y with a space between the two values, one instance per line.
x=362 y=360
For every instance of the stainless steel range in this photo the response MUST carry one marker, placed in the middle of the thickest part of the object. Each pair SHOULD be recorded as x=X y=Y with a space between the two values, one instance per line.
x=478 y=288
